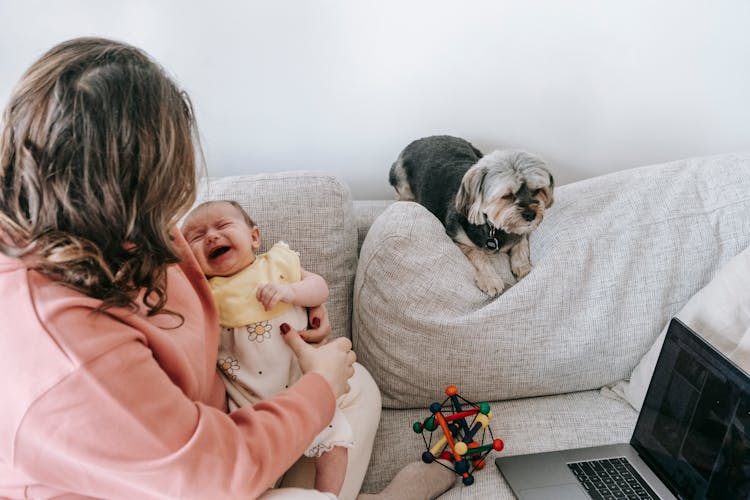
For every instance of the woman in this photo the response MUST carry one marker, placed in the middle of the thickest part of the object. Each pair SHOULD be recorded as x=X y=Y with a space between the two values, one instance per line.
x=109 y=336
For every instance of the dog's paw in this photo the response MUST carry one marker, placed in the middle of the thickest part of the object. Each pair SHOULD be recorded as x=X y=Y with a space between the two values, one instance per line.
x=491 y=285
x=521 y=270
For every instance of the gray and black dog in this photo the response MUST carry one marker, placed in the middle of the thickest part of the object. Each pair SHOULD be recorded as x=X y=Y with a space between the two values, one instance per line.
x=488 y=203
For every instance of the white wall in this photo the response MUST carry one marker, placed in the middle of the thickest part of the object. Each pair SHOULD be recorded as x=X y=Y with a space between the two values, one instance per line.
x=343 y=86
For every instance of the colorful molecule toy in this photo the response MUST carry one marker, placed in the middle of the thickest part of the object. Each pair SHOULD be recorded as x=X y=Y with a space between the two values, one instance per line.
x=458 y=443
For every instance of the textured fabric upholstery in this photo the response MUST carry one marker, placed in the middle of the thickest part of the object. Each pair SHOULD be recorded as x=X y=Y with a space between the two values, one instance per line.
x=365 y=212
x=719 y=312
x=613 y=260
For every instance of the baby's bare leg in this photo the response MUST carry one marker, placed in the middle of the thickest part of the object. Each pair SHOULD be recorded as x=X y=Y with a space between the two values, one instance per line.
x=330 y=470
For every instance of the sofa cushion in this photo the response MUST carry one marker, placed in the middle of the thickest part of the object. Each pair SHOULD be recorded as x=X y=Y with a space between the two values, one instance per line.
x=310 y=211
x=719 y=312
x=614 y=259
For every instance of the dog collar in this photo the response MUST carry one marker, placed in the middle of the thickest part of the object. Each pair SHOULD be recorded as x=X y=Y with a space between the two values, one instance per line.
x=492 y=242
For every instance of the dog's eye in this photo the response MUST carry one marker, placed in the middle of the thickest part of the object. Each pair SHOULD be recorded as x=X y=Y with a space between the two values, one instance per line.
x=508 y=196
x=536 y=192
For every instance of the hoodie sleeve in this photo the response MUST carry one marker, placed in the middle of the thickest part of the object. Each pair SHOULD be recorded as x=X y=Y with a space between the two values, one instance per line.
x=119 y=426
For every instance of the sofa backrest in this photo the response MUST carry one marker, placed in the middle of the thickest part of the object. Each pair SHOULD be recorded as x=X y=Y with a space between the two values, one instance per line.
x=312 y=212
x=365 y=213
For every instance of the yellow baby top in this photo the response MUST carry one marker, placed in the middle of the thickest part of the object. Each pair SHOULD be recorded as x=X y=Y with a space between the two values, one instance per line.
x=235 y=295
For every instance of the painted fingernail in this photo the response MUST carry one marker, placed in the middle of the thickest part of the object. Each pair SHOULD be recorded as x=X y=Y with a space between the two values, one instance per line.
x=284 y=328
x=316 y=323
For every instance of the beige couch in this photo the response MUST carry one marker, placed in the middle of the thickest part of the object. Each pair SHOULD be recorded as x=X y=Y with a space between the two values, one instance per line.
x=615 y=258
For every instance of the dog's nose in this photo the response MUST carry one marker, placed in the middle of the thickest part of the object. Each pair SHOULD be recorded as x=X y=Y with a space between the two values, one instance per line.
x=528 y=215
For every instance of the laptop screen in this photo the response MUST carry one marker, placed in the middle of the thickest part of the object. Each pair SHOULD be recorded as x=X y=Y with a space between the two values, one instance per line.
x=694 y=427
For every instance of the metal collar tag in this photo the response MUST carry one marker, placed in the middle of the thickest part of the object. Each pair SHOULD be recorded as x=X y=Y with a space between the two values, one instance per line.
x=492 y=242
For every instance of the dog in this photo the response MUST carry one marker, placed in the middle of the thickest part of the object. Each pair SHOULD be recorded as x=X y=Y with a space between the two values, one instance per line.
x=488 y=203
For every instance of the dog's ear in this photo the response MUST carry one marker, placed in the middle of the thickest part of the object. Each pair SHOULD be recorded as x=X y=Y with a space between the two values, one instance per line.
x=469 y=196
x=551 y=191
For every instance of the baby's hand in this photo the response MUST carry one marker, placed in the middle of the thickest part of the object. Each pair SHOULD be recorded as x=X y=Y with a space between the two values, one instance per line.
x=271 y=294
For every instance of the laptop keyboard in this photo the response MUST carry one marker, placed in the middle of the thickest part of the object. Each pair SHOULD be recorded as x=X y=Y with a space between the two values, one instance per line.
x=611 y=478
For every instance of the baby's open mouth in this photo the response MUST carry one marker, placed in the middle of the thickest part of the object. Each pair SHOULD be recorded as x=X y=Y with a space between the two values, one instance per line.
x=218 y=252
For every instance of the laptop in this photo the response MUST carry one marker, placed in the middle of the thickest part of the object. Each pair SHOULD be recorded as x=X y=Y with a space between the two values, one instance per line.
x=692 y=438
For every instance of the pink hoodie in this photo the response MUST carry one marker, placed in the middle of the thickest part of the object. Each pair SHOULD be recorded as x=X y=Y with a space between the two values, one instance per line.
x=121 y=405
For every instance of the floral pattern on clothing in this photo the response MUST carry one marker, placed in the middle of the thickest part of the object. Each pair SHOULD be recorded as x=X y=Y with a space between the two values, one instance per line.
x=257 y=332
x=229 y=366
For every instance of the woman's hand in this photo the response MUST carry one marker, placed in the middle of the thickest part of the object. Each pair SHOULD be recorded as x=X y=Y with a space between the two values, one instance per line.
x=320 y=325
x=333 y=360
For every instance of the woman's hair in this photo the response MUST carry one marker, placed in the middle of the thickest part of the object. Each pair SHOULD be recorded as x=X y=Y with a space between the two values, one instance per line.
x=97 y=163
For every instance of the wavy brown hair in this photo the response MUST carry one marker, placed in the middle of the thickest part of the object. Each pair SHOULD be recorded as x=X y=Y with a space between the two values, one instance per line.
x=97 y=163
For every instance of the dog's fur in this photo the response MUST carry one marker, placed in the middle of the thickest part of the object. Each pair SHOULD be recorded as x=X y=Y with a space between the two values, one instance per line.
x=483 y=201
